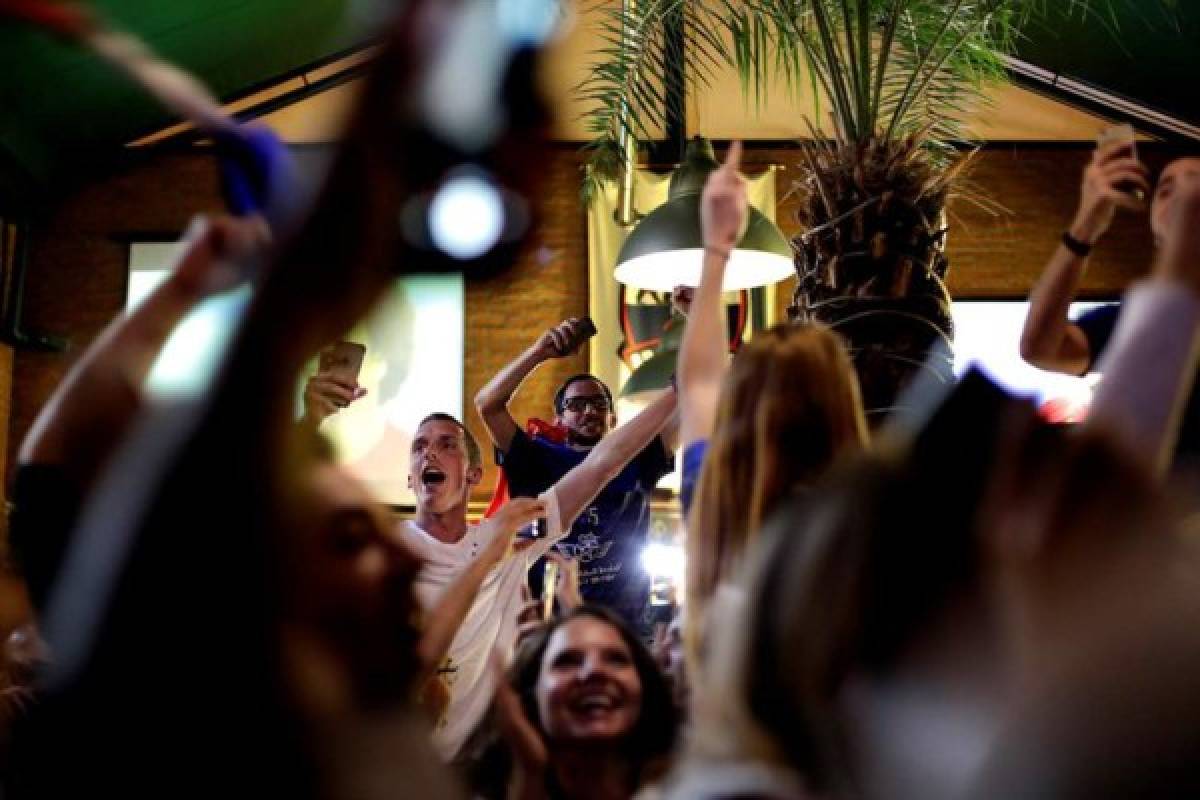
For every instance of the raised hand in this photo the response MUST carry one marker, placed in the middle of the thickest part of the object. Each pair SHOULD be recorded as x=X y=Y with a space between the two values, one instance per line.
x=561 y=340
x=723 y=206
x=216 y=250
x=1107 y=182
x=325 y=395
x=513 y=516
x=529 y=618
x=567 y=588
x=681 y=299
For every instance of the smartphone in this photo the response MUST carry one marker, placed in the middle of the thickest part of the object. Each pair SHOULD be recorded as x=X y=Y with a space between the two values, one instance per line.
x=585 y=330
x=343 y=361
x=1123 y=135
x=537 y=529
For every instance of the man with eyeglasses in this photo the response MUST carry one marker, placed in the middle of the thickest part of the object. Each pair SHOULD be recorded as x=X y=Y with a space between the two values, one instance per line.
x=607 y=539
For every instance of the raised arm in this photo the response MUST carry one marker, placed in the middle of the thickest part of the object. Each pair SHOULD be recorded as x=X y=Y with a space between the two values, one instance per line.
x=1150 y=364
x=443 y=622
x=576 y=490
x=1049 y=339
x=703 y=357
x=670 y=432
x=89 y=411
x=492 y=400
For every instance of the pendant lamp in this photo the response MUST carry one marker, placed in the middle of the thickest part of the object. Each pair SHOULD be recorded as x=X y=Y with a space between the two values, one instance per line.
x=666 y=248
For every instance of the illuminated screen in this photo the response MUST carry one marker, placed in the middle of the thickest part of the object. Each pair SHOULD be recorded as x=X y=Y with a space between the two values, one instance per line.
x=190 y=357
x=988 y=334
x=413 y=365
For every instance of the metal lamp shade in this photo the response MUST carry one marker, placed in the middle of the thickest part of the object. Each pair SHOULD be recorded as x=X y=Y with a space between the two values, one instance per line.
x=653 y=374
x=666 y=249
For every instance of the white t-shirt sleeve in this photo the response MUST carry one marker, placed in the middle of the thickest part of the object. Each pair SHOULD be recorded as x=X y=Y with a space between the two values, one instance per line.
x=554 y=528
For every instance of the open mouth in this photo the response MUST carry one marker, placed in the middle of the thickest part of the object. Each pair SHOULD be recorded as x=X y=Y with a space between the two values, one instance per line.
x=432 y=476
x=591 y=703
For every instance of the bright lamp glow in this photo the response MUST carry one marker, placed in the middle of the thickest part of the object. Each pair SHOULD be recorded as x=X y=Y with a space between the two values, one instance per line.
x=466 y=216
x=664 y=561
x=662 y=272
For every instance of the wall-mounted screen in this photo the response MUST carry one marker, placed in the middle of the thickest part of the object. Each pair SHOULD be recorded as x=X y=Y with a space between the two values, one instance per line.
x=413 y=364
x=988 y=334
x=413 y=367
x=192 y=353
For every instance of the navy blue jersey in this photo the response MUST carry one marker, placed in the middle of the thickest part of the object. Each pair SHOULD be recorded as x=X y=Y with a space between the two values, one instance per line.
x=608 y=537
x=1097 y=325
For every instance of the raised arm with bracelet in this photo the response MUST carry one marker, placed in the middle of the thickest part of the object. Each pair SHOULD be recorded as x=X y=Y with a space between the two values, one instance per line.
x=1050 y=340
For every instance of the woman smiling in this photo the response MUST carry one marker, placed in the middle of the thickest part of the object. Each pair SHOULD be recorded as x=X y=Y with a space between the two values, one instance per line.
x=585 y=714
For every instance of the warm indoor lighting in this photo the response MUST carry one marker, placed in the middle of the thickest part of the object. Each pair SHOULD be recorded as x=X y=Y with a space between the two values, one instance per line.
x=666 y=561
x=666 y=248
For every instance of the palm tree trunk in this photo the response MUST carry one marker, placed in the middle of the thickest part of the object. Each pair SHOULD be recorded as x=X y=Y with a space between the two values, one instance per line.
x=871 y=264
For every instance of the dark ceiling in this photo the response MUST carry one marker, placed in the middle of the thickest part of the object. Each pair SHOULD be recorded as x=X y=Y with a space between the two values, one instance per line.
x=61 y=109
x=1142 y=52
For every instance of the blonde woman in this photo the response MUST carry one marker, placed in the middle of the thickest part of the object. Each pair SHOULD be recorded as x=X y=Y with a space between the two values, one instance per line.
x=756 y=430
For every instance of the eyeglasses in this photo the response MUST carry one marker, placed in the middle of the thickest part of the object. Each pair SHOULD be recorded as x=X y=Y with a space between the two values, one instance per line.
x=579 y=403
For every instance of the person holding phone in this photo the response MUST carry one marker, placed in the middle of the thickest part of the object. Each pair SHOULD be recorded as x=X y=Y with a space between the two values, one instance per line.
x=608 y=537
x=335 y=384
x=1114 y=179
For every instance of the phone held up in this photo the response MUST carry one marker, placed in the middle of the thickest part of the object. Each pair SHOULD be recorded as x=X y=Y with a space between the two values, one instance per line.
x=584 y=330
x=1124 y=135
x=342 y=361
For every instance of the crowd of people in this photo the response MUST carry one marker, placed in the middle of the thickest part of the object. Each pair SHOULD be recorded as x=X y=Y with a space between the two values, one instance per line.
x=971 y=602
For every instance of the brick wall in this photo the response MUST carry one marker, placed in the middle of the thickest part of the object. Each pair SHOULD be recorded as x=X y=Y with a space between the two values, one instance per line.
x=77 y=274
x=505 y=314
x=1002 y=256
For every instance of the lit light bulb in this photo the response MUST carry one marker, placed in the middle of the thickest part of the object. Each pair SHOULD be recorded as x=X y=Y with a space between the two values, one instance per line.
x=466 y=216
x=664 y=561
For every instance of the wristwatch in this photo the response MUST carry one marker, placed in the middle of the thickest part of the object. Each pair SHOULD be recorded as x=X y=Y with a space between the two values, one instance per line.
x=1081 y=249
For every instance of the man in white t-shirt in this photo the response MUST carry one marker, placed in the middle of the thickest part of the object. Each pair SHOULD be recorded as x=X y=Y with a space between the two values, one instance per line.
x=445 y=465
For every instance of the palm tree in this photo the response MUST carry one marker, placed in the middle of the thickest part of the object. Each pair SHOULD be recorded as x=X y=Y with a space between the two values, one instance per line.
x=892 y=80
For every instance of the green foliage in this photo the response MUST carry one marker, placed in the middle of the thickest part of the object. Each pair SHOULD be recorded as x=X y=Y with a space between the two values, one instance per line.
x=889 y=68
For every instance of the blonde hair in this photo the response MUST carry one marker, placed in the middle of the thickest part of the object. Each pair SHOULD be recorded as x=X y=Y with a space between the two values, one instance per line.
x=790 y=406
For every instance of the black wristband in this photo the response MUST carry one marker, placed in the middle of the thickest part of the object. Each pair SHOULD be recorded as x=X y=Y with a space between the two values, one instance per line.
x=1081 y=249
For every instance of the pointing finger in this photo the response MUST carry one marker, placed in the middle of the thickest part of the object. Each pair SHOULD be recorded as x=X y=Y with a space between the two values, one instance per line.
x=733 y=158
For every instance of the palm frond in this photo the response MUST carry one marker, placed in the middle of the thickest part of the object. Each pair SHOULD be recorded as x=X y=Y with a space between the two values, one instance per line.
x=886 y=68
